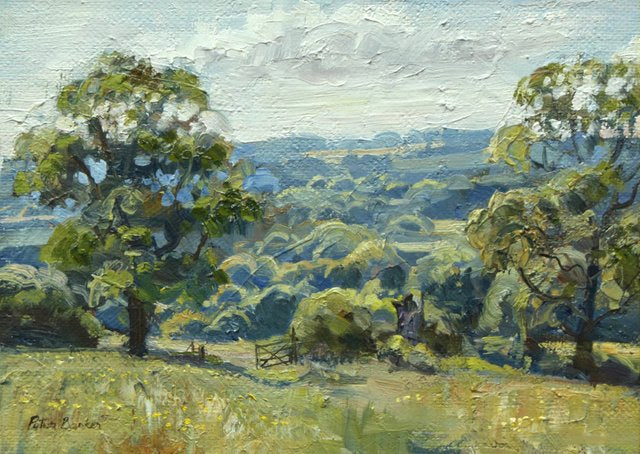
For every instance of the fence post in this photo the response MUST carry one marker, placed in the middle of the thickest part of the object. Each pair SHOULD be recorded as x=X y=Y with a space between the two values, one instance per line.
x=257 y=358
x=202 y=353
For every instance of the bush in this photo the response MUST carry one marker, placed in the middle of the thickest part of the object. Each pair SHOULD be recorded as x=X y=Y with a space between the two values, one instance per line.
x=400 y=352
x=331 y=322
x=273 y=312
x=37 y=308
x=44 y=319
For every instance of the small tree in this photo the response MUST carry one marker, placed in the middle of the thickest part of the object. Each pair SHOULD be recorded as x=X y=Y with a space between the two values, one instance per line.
x=133 y=152
x=573 y=240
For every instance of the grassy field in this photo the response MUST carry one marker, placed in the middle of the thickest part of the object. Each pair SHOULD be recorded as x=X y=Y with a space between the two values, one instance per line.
x=114 y=403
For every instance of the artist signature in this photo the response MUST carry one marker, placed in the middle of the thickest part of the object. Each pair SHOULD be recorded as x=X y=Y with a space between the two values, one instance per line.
x=37 y=422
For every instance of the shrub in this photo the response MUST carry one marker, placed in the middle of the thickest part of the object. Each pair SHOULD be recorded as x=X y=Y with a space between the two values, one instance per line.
x=332 y=322
x=273 y=312
x=400 y=352
x=43 y=318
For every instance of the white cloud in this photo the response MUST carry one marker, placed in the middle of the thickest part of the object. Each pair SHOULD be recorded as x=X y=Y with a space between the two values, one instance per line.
x=348 y=69
x=360 y=70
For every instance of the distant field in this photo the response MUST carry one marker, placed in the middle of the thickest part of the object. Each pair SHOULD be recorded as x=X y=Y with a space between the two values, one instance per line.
x=160 y=405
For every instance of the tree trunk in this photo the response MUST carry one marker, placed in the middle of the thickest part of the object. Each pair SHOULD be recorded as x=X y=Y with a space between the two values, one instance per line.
x=137 y=326
x=583 y=358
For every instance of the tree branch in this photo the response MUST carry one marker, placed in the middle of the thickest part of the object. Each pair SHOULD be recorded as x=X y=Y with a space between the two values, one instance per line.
x=568 y=330
x=203 y=240
x=536 y=290
x=572 y=127
x=611 y=312
x=173 y=240
x=563 y=300
x=102 y=137
x=84 y=169
x=121 y=213
x=617 y=149
x=51 y=201
x=563 y=267
x=627 y=203
x=620 y=307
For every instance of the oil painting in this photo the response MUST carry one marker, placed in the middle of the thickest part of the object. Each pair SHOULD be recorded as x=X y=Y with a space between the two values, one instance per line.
x=320 y=226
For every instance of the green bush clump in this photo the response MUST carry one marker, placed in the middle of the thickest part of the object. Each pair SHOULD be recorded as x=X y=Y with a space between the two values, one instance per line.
x=332 y=323
x=43 y=319
x=400 y=352
x=36 y=308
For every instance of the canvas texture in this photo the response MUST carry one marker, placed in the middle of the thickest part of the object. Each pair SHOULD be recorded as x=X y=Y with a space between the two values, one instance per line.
x=320 y=226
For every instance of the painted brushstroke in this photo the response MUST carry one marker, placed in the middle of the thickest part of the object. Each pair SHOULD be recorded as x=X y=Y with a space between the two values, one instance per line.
x=320 y=227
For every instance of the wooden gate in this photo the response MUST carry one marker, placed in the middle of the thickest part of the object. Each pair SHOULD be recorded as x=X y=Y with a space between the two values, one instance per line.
x=283 y=351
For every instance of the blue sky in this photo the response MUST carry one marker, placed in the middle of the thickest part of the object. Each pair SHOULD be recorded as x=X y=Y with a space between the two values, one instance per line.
x=336 y=69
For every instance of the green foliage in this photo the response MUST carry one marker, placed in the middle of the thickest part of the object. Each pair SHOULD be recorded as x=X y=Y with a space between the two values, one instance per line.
x=571 y=241
x=457 y=364
x=71 y=246
x=330 y=321
x=135 y=235
x=222 y=212
x=547 y=234
x=580 y=94
x=26 y=182
x=143 y=169
x=512 y=145
x=399 y=351
x=501 y=295
x=182 y=324
x=518 y=224
x=591 y=99
x=37 y=308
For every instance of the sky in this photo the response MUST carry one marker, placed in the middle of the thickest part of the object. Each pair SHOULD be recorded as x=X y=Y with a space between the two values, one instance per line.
x=337 y=69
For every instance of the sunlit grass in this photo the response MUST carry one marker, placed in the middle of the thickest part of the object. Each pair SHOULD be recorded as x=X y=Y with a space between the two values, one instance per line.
x=155 y=406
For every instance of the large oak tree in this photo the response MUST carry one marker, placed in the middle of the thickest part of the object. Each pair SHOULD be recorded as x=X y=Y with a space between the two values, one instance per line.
x=135 y=153
x=573 y=241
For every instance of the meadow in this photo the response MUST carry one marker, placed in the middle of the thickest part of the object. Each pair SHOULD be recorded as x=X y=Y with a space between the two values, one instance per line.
x=105 y=401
